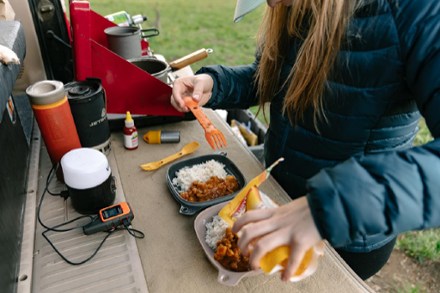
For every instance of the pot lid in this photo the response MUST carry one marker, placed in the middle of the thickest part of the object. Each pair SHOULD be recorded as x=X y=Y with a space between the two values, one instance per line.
x=82 y=90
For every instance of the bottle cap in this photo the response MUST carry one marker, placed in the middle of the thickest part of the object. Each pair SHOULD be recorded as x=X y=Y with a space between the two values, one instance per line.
x=164 y=136
x=152 y=137
x=128 y=120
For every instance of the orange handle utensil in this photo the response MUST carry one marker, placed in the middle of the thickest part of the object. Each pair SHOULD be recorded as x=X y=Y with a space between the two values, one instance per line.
x=213 y=136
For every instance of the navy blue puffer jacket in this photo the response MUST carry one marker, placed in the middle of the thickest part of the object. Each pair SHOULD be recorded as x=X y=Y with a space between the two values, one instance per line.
x=364 y=181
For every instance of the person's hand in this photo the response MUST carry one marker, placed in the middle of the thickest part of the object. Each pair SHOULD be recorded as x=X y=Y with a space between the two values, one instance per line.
x=261 y=231
x=199 y=87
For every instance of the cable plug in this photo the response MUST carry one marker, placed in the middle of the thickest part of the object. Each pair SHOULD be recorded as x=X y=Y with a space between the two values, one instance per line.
x=64 y=194
x=126 y=222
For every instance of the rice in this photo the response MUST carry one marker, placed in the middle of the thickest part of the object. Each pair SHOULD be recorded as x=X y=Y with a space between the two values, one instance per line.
x=199 y=172
x=215 y=230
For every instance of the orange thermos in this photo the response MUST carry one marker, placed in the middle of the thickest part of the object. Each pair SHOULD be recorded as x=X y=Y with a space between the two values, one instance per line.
x=52 y=112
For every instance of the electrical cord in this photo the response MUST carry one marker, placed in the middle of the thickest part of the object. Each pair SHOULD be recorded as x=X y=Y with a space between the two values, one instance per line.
x=46 y=188
x=133 y=232
x=49 y=178
x=65 y=258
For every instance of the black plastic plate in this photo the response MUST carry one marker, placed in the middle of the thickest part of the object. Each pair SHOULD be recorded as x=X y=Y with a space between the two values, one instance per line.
x=190 y=208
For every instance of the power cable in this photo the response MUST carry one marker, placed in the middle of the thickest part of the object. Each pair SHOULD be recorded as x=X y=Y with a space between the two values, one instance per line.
x=64 y=194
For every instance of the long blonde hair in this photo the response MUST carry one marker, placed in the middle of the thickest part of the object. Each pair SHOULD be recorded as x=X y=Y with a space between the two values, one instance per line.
x=320 y=25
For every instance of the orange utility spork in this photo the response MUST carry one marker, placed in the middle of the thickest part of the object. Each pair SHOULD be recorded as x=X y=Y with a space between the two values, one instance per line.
x=213 y=136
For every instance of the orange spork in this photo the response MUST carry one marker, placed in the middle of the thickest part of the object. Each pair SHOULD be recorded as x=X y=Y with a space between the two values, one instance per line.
x=213 y=136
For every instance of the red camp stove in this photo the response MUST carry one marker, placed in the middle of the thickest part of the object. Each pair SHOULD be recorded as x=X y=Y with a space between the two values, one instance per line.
x=128 y=88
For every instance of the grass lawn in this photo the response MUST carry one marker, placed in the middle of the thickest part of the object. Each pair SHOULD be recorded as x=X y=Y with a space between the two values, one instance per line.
x=421 y=245
x=188 y=25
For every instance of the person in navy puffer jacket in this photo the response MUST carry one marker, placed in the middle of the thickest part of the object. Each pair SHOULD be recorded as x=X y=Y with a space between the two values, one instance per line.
x=347 y=82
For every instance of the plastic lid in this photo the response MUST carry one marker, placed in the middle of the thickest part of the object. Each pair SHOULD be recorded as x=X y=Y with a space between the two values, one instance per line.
x=46 y=92
x=85 y=168
x=152 y=137
x=128 y=120
x=80 y=91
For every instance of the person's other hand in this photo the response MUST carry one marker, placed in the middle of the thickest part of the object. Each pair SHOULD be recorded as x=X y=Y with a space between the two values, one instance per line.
x=199 y=87
x=261 y=231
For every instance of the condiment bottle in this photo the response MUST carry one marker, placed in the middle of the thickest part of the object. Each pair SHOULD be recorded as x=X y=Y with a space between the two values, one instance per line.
x=131 y=141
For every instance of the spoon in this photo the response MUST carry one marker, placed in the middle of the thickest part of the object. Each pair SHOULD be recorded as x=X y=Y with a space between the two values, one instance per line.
x=186 y=150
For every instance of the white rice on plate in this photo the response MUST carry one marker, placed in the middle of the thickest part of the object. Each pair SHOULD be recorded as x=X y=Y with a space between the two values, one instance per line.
x=199 y=172
x=215 y=230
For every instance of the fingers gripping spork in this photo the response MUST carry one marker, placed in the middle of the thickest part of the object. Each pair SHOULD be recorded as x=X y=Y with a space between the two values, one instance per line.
x=213 y=136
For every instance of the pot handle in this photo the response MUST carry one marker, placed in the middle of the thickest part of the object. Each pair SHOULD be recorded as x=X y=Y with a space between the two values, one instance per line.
x=149 y=32
x=190 y=58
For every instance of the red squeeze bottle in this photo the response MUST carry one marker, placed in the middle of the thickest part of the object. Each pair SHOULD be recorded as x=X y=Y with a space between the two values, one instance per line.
x=131 y=141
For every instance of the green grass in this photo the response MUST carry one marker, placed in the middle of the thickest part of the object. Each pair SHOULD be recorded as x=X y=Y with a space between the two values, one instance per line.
x=409 y=288
x=423 y=136
x=186 y=26
x=421 y=245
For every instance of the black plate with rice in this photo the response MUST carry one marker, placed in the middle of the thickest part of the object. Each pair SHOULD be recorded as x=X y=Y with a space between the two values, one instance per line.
x=177 y=186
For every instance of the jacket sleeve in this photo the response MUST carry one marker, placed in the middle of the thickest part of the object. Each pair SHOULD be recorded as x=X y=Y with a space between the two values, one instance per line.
x=398 y=191
x=234 y=87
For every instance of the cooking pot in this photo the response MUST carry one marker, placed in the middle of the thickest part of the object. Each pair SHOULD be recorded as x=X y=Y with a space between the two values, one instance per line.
x=153 y=66
x=160 y=69
x=88 y=107
x=126 y=41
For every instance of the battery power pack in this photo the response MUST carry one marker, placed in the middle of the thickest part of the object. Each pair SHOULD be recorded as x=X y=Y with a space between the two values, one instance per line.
x=109 y=218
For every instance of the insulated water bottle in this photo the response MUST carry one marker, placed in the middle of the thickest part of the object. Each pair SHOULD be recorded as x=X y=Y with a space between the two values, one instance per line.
x=52 y=112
